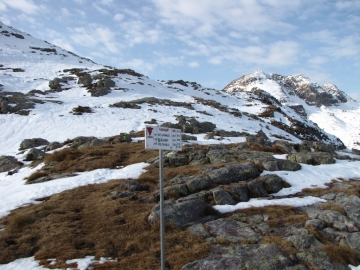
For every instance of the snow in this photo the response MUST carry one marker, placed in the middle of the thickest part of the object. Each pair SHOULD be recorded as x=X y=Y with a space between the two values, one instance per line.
x=15 y=193
x=54 y=122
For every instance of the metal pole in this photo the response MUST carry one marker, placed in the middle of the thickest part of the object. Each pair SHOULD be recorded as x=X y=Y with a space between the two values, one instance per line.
x=162 y=219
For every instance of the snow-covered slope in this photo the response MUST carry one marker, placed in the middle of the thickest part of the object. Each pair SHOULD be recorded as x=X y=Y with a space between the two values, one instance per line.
x=41 y=85
x=327 y=106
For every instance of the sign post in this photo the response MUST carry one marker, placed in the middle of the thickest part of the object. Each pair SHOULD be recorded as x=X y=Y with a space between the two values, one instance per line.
x=162 y=138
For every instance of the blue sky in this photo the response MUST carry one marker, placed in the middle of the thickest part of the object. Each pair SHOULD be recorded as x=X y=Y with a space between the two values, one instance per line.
x=208 y=41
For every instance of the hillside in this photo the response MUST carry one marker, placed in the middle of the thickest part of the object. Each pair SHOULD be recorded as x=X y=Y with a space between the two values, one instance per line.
x=267 y=177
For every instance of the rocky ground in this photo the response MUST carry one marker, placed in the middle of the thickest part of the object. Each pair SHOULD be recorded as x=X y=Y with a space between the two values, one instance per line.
x=321 y=236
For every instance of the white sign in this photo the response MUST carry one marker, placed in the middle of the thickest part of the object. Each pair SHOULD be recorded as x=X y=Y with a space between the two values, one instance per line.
x=163 y=138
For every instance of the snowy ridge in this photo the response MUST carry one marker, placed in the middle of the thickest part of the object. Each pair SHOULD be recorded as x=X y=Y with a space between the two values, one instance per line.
x=327 y=106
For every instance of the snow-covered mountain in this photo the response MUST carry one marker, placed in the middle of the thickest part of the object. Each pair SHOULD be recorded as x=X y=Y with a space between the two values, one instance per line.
x=42 y=88
x=331 y=109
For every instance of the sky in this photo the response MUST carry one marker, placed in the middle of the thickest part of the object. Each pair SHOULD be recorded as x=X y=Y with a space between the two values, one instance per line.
x=207 y=41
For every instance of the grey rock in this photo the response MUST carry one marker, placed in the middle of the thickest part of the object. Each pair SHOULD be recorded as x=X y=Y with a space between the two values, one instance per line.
x=259 y=139
x=272 y=183
x=31 y=143
x=121 y=194
x=232 y=230
x=285 y=146
x=53 y=146
x=56 y=83
x=186 y=137
x=85 y=80
x=312 y=158
x=303 y=240
x=287 y=165
x=208 y=136
x=182 y=213
x=221 y=197
x=50 y=177
x=234 y=173
x=133 y=185
x=9 y=163
x=240 y=192
x=242 y=257
x=256 y=189
x=105 y=83
x=220 y=156
x=317 y=223
x=198 y=183
x=322 y=147
x=76 y=142
x=177 y=160
x=198 y=229
x=34 y=154
x=100 y=91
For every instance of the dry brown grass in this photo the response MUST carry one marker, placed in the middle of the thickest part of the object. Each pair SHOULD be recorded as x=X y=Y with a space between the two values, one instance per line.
x=342 y=254
x=279 y=215
x=331 y=206
x=86 y=221
x=36 y=175
x=92 y=158
x=285 y=246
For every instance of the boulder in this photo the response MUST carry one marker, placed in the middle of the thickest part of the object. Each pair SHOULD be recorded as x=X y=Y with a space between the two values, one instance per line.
x=182 y=213
x=105 y=83
x=287 y=165
x=322 y=147
x=50 y=177
x=177 y=160
x=53 y=146
x=220 y=156
x=272 y=183
x=234 y=257
x=31 y=143
x=256 y=189
x=55 y=84
x=198 y=183
x=34 y=154
x=121 y=194
x=259 y=139
x=85 y=80
x=185 y=137
x=234 y=173
x=221 y=197
x=240 y=192
x=232 y=230
x=172 y=192
x=76 y=142
x=284 y=146
x=209 y=136
x=312 y=158
x=9 y=163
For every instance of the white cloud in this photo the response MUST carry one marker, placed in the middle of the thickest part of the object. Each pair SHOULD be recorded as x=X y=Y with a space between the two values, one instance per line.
x=139 y=65
x=100 y=9
x=119 y=17
x=107 y=2
x=97 y=35
x=138 y=32
x=277 y=54
x=26 y=6
x=65 y=11
x=63 y=44
x=5 y=19
x=318 y=60
x=341 y=5
x=194 y=64
x=207 y=17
